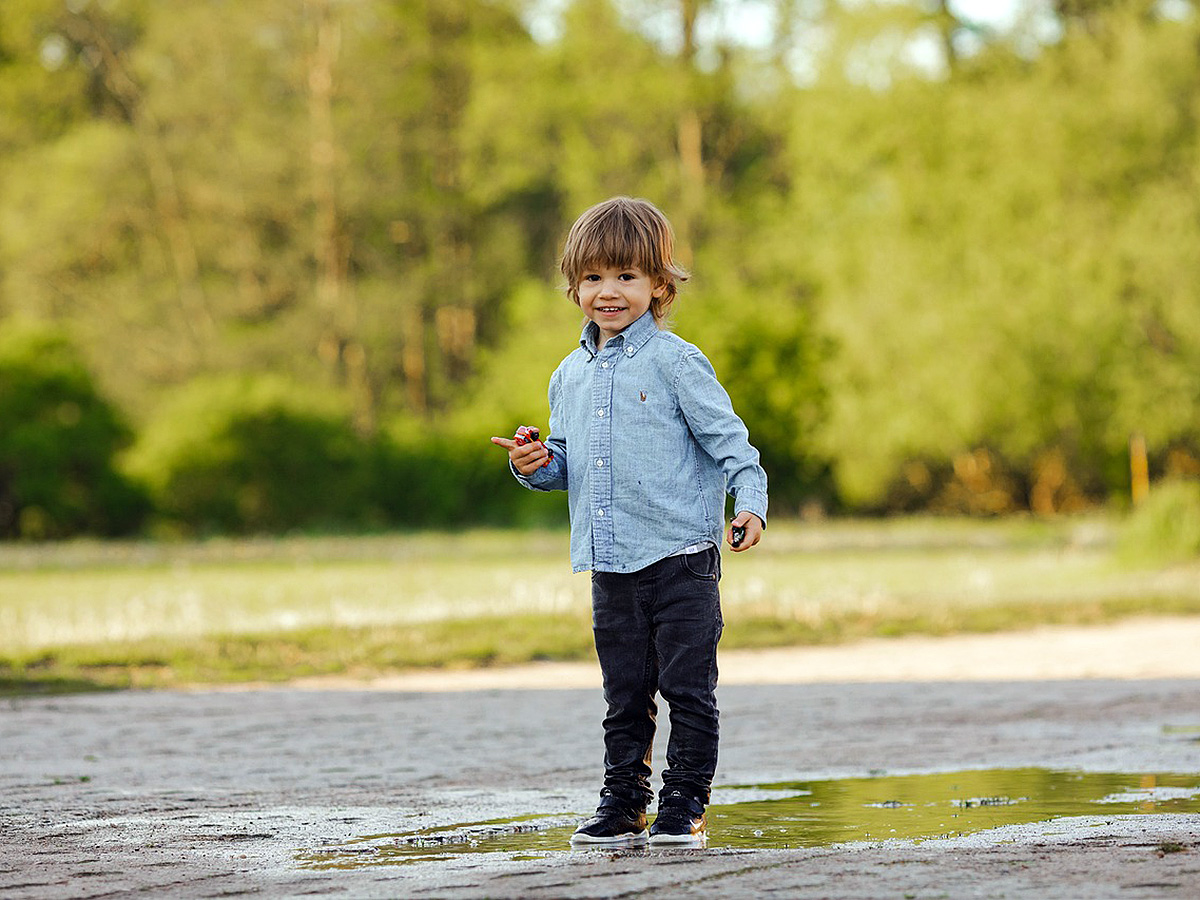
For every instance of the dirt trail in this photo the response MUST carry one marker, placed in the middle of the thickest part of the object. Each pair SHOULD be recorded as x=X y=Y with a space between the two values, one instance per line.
x=1129 y=649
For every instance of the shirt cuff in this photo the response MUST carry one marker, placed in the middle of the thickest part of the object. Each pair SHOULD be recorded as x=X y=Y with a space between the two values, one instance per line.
x=751 y=500
x=535 y=481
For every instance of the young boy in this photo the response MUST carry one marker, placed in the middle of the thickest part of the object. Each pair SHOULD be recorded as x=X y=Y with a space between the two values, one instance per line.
x=646 y=443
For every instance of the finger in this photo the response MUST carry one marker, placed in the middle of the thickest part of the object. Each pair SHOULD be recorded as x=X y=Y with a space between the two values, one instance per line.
x=753 y=530
x=748 y=520
x=729 y=537
x=506 y=443
x=525 y=451
x=528 y=460
x=746 y=544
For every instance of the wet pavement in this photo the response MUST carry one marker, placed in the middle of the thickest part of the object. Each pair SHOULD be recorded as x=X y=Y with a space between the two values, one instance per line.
x=1013 y=789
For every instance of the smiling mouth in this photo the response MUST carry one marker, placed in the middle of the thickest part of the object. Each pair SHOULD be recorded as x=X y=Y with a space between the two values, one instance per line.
x=611 y=309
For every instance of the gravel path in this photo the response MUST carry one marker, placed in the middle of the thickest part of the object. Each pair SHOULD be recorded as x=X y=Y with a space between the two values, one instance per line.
x=208 y=794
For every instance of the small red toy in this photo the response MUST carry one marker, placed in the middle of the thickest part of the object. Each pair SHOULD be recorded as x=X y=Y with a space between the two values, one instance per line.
x=528 y=434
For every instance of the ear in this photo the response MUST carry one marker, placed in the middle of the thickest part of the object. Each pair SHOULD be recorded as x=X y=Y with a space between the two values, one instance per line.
x=659 y=290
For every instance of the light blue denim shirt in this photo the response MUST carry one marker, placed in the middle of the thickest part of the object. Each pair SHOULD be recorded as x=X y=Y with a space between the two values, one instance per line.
x=646 y=444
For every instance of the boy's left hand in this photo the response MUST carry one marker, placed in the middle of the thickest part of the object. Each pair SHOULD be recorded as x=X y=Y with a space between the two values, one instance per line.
x=754 y=529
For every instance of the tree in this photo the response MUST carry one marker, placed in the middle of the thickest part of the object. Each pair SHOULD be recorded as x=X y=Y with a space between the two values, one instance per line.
x=984 y=252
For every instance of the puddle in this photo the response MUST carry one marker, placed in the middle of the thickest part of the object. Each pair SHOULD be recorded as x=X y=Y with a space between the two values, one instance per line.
x=811 y=814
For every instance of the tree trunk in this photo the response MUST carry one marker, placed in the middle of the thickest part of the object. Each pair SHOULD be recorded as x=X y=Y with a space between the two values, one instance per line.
x=690 y=136
x=947 y=24
x=124 y=88
x=338 y=344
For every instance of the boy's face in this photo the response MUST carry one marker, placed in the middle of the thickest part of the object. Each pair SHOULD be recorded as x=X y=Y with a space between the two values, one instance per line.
x=616 y=298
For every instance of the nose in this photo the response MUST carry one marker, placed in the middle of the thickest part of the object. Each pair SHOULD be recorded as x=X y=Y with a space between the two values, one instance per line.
x=608 y=287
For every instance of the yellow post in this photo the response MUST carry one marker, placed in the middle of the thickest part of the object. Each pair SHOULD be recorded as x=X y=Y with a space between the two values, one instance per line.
x=1139 y=468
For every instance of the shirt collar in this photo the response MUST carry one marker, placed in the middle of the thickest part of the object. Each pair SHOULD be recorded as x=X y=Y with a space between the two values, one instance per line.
x=634 y=337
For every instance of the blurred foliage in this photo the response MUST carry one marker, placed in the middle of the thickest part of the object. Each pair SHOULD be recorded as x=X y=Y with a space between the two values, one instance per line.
x=448 y=480
x=252 y=455
x=938 y=264
x=261 y=454
x=58 y=440
x=1166 y=525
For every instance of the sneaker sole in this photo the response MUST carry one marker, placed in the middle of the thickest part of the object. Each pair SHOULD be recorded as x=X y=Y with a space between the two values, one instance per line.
x=631 y=838
x=679 y=840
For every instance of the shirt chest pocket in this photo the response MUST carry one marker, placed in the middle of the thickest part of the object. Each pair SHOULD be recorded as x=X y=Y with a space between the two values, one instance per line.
x=650 y=417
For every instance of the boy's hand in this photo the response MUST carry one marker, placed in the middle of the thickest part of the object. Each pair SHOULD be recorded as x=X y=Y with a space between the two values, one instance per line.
x=526 y=458
x=754 y=529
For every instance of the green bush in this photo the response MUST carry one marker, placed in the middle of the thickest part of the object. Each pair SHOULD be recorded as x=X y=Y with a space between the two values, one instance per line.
x=256 y=454
x=1166 y=525
x=447 y=480
x=58 y=442
x=260 y=454
x=772 y=368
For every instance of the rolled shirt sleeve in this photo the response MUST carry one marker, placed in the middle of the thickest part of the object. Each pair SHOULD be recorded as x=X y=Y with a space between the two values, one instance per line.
x=720 y=431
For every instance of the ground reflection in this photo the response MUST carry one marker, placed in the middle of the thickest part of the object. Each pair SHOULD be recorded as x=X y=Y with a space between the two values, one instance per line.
x=811 y=814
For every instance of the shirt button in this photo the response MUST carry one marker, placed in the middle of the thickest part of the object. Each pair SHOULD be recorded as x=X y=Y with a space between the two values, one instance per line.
x=600 y=513
x=604 y=365
x=599 y=462
x=600 y=412
x=629 y=352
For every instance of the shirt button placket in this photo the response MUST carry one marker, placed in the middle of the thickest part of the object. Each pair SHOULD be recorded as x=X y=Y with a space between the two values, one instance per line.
x=603 y=537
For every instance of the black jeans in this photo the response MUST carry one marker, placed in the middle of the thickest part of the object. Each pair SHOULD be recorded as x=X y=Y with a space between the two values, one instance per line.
x=656 y=631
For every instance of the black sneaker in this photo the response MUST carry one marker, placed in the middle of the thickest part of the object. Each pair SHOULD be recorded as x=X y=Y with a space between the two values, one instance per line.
x=615 y=822
x=680 y=822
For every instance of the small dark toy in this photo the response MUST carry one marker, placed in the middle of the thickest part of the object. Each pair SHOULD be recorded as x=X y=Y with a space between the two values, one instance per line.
x=739 y=535
x=528 y=434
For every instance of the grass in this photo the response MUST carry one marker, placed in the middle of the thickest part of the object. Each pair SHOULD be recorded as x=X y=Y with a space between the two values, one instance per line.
x=95 y=615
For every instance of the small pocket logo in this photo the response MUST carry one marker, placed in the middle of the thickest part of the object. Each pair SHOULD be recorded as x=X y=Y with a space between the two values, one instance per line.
x=643 y=393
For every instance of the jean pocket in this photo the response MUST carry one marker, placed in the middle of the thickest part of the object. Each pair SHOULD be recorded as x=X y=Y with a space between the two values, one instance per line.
x=704 y=565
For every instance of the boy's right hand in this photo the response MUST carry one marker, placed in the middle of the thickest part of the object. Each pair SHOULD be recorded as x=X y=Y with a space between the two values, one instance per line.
x=526 y=458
